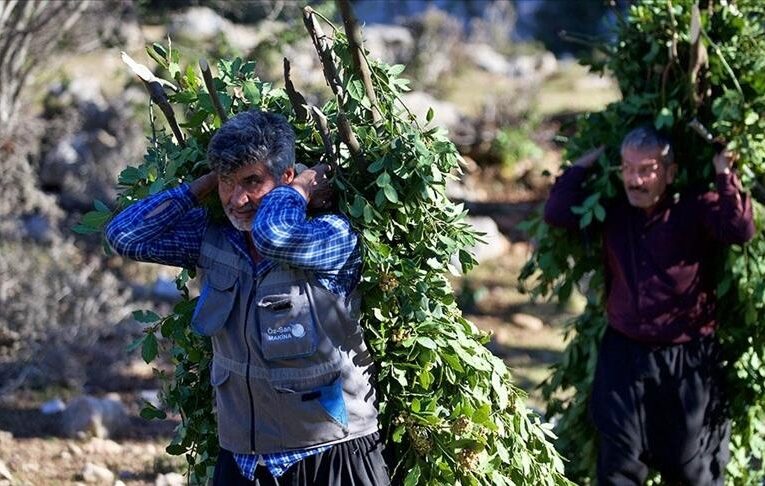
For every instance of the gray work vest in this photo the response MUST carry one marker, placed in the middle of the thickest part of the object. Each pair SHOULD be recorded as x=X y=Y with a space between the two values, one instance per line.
x=290 y=367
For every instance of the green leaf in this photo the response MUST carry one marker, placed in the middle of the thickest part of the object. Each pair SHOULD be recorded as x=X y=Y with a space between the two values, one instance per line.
x=146 y=316
x=356 y=89
x=429 y=116
x=149 y=412
x=251 y=93
x=390 y=194
x=413 y=478
x=150 y=348
x=426 y=342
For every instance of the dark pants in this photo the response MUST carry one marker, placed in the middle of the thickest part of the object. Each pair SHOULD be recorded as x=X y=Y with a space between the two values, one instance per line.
x=357 y=462
x=659 y=407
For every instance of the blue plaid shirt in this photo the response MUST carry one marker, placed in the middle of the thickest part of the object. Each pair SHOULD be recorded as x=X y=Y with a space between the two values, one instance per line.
x=169 y=227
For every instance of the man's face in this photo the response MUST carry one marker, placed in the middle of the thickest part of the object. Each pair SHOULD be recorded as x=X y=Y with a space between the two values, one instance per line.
x=645 y=176
x=241 y=191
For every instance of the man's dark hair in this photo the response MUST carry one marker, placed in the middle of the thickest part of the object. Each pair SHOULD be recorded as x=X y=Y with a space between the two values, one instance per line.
x=646 y=137
x=251 y=137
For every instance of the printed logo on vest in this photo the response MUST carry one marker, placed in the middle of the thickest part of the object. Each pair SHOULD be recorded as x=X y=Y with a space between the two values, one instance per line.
x=288 y=331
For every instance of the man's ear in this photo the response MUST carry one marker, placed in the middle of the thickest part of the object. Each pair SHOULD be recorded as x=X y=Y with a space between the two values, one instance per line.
x=671 y=173
x=288 y=176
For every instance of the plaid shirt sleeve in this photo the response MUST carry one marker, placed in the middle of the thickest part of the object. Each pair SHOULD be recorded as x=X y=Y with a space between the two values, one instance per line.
x=325 y=244
x=171 y=235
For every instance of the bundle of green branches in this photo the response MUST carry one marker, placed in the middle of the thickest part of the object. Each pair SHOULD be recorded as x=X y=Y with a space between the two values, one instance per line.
x=675 y=61
x=448 y=408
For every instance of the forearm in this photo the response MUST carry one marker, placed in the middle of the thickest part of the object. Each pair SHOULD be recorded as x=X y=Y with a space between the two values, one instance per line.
x=165 y=228
x=734 y=219
x=282 y=232
x=566 y=192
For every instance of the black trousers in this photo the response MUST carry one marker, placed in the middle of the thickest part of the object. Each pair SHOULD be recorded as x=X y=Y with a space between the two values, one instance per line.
x=662 y=408
x=357 y=462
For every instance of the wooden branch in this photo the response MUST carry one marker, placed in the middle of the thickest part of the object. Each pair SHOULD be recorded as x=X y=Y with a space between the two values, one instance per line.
x=297 y=100
x=210 y=85
x=348 y=137
x=323 y=48
x=355 y=42
x=323 y=128
x=157 y=94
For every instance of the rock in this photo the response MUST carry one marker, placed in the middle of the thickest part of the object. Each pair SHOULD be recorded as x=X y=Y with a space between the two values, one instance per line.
x=165 y=289
x=496 y=244
x=91 y=416
x=169 y=479
x=5 y=436
x=199 y=23
x=393 y=44
x=74 y=448
x=486 y=58
x=96 y=474
x=65 y=456
x=5 y=473
x=52 y=406
x=527 y=321
x=151 y=396
x=97 y=445
x=30 y=467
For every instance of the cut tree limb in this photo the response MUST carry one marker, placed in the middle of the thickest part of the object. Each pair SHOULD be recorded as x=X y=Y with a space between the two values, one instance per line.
x=157 y=93
x=296 y=99
x=210 y=85
x=324 y=49
x=360 y=63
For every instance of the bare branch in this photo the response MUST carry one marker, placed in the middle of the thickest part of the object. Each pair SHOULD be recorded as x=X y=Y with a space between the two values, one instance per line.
x=323 y=47
x=157 y=94
x=296 y=99
x=207 y=76
x=360 y=62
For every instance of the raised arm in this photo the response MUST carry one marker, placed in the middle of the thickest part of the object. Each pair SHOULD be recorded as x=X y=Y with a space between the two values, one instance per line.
x=166 y=228
x=727 y=214
x=282 y=232
x=567 y=192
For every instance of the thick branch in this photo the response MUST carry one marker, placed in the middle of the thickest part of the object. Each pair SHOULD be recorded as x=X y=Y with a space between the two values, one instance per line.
x=355 y=41
x=323 y=48
x=347 y=136
x=210 y=84
x=157 y=94
x=296 y=99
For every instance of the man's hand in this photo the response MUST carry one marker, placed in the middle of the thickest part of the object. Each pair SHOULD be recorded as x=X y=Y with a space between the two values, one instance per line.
x=315 y=186
x=723 y=161
x=587 y=160
x=204 y=185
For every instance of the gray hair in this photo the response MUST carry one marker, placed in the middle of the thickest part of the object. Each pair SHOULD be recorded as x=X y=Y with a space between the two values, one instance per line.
x=646 y=137
x=251 y=137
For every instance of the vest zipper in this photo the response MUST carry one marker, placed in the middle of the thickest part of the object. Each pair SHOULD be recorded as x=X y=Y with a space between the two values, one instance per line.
x=247 y=372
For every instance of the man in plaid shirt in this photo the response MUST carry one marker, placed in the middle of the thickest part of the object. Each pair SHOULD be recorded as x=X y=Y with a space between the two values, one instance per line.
x=269 y=240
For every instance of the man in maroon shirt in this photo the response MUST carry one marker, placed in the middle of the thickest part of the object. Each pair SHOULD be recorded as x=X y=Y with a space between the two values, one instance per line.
x=657 y=398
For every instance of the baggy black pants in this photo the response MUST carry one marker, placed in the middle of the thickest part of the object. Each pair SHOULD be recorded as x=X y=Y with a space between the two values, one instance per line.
x=660 y=407
x=357 y=462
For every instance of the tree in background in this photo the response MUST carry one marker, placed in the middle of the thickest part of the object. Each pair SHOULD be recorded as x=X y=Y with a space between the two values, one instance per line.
x=675 y=62
x=448 y=408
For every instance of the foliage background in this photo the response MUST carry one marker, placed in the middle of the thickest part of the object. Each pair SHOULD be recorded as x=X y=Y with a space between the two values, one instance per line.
x=668 y=79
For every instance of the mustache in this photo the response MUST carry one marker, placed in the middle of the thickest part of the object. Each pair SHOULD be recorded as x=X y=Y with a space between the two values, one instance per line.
x=241 y=209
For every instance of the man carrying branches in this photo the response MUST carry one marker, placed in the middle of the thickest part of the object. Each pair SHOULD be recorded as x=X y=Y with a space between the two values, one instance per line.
x=291 y=371
x=658 y=395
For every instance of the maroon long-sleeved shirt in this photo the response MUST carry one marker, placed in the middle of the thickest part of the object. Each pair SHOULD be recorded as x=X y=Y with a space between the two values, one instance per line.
x=659 y=267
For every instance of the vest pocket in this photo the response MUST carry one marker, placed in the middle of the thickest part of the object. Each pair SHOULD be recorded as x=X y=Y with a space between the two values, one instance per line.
x=216 y=301
x=287 y=327
x=313 y=414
